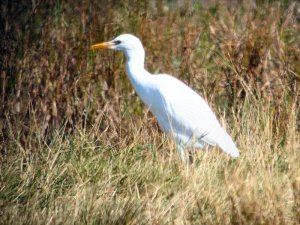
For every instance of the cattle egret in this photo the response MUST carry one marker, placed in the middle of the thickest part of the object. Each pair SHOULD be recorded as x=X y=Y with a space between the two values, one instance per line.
x=180 y=111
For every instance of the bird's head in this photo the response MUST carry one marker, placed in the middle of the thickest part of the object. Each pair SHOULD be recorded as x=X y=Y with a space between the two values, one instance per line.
x=124 y=43
x=129 y=44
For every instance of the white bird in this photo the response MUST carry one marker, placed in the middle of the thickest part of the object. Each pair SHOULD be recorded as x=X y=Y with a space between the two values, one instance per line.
x=180 y=111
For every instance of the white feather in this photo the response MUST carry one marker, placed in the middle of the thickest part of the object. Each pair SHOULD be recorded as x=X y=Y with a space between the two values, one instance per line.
x=180 y=111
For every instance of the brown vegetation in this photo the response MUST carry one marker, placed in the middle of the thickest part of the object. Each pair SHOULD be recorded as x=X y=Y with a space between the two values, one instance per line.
x=78 y=146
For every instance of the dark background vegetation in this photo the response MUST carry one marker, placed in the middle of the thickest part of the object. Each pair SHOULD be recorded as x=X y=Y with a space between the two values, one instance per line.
x=225 y=50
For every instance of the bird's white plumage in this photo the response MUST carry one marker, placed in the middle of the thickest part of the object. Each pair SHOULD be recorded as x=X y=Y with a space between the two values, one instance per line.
x=180 y=111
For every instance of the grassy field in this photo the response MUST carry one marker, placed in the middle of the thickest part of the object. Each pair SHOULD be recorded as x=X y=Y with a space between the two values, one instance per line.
x=78 y=146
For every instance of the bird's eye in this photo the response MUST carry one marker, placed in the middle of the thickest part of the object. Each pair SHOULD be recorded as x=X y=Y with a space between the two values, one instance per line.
x=117 y=42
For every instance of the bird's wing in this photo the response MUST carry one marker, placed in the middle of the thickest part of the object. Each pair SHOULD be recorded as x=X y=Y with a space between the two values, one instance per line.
x=187 y=111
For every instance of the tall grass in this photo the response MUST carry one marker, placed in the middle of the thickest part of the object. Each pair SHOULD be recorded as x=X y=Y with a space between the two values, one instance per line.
x=77 y=145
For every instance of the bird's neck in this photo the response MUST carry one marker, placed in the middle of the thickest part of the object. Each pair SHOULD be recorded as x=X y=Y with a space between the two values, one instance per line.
x=136 y=56
x=139 y=77
x=137 y=73
x=135 y=66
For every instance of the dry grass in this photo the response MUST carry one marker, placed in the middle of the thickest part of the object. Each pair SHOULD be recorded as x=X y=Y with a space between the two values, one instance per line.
x=77 y=146
x=138 y=180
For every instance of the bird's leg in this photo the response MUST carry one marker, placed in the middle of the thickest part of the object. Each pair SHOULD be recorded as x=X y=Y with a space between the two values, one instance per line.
x=191 y=159
x=180 y=150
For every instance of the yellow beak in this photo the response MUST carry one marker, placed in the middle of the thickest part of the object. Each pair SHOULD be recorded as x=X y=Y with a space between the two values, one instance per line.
x=104 y=45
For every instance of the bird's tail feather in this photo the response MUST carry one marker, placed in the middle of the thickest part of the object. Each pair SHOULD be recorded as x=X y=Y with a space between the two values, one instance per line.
x=228 y=146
